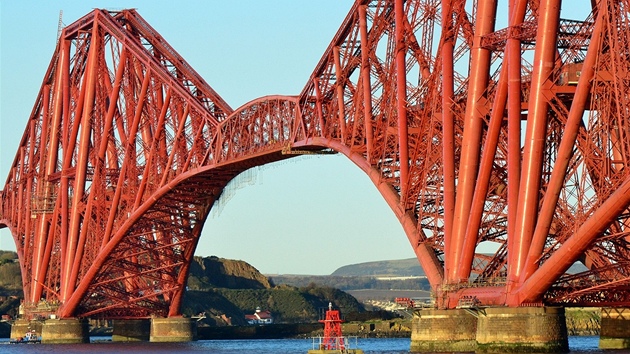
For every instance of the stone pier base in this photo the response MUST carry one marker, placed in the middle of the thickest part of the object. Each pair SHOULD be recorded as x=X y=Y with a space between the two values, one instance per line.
x=131 y=330
x=615 y=328
x=67 y=330
x=490 y=330
x=173 y=329
x=522 y=330
x=20 y=327
x=443 y=331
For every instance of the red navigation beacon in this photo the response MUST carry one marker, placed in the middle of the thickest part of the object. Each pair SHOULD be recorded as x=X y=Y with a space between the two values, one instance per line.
x=333 y=340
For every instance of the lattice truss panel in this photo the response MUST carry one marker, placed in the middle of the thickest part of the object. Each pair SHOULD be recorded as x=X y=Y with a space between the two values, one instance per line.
x=119 y=116
x=448 y=157
x=125 y=152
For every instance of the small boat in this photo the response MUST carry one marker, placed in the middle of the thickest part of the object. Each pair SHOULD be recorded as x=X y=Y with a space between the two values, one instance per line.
x=29 y=337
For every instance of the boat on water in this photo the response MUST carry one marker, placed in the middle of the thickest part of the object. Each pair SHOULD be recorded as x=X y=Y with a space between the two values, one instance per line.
x=29 y=337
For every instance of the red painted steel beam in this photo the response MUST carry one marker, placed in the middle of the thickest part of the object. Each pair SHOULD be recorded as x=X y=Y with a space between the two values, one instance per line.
x=531 y=173
x=45 y=242
x=448 y=126
x=514 y=63
x=75 y=244
x=472 y=132
x=539 y=282
x=401 y=99
x=340 y=87
x=483 y=178
x=565 y=151
x=366 y=82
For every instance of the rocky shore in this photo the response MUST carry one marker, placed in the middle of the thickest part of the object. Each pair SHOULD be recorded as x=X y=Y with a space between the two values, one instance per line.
x=583 y=321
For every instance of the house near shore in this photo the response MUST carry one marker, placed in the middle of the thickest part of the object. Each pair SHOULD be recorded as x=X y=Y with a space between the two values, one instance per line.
x=259 y=317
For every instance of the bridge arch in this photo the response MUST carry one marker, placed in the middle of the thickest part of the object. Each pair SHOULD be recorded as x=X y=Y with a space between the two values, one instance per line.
x=268 y=140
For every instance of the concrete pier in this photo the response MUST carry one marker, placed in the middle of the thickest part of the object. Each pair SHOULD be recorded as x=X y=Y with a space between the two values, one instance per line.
x=443 y=331
x=490 y=330
x=65 y=331
x=131 y=330
x=173 y=329
x=615 y=328
x=20 y=327
x=522 y=330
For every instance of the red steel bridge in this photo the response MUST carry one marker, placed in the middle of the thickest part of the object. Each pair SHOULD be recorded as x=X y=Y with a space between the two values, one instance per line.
x=482 y=128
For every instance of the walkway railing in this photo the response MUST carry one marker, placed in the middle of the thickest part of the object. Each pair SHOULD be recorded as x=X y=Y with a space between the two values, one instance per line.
x=335 y=343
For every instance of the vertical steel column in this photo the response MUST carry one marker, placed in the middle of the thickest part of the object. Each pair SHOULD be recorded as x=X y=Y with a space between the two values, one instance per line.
x=41 y=193
x=513 y=48
x=565 y=150
x=177 y=300
x=20 y=213
x=15 y=210
x=473 y=123
x=43 y=255
x=71 y=132
x=29 y=234
x=73 y=250
x=67 y=146
x=340 y=98
x=483 y=178
x=448 y=127
x=318 y=104
x=535 y=137
x=401 y=94
x=52 y=158
x=366 y=82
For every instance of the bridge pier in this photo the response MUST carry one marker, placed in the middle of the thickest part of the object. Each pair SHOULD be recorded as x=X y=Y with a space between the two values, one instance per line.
x=20 y=326
x=65 y=331
x=173 y=329
x=443 y=331
x=522 y=330
x=131 y=330
x=491 y=330
x=615 y=328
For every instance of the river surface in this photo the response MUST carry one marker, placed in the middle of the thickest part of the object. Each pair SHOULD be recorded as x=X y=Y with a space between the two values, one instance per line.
x=259 y=346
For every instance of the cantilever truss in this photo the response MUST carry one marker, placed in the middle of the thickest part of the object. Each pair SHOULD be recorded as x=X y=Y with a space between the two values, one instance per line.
x=116 y=120
x=502 y=151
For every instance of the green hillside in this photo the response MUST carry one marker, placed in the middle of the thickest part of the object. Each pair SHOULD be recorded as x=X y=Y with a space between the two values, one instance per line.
x=287 y=304
x=224 y=289
x=393 y=268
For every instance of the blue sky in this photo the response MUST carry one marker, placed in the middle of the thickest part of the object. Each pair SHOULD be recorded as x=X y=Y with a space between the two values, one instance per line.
x=301 y=216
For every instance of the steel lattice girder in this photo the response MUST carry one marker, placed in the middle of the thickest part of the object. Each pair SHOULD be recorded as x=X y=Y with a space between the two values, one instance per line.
x=110 y=222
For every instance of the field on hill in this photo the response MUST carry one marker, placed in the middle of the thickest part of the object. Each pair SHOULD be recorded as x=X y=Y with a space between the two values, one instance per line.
x=388 y=295
x=392 y=268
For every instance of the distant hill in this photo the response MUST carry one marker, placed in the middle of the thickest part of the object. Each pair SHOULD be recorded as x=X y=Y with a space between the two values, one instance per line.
x=393 y=268
x=226 y=290
x=403 y=268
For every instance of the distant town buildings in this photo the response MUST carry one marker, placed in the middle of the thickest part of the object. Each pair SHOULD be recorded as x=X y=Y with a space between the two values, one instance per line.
x=259 y=317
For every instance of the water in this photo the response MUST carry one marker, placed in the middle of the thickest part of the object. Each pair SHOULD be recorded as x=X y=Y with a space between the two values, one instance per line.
x=260 y=346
